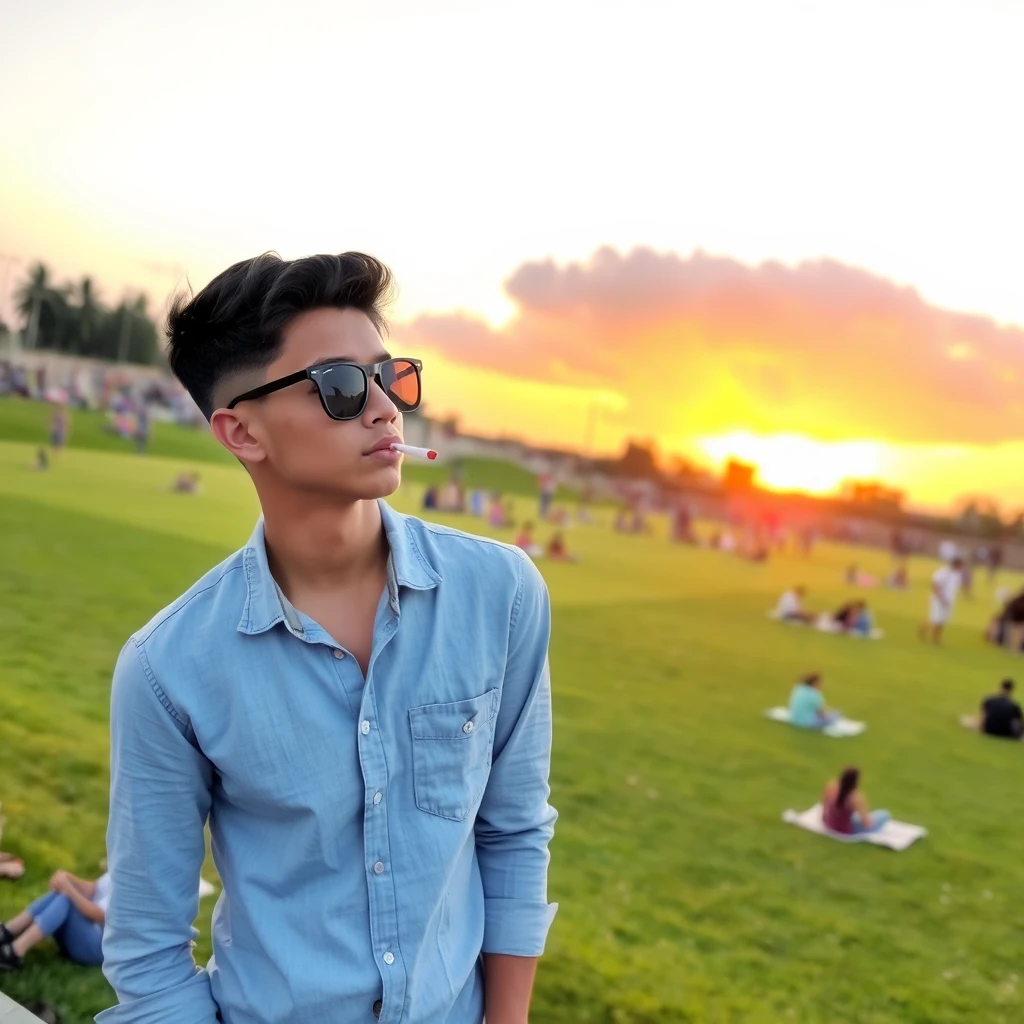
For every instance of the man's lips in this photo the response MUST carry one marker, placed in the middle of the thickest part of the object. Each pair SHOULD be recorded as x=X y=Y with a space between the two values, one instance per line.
x=384 y=444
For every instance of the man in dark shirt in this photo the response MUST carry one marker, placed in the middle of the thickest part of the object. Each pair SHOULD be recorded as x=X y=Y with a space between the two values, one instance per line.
x=1001 y=714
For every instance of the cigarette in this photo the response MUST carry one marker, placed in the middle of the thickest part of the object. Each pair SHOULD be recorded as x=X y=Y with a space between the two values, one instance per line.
x=408 y=449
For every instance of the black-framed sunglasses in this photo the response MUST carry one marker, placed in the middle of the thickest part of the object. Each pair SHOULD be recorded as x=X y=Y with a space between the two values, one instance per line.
x=345 y=387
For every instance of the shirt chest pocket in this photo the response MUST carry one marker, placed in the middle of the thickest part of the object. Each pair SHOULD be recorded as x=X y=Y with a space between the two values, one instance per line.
x=451 y=749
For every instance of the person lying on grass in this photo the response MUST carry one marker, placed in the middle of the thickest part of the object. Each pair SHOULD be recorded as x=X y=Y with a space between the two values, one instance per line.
x=73 y=912
x=845 y=808
x=854 y=617
x=807 y=704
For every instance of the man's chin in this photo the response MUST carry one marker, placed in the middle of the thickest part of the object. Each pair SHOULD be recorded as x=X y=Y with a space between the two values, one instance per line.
x=381 y=484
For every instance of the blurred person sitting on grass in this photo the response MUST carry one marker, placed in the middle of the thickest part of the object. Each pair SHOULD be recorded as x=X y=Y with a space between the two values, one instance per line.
x=73 y=913
x=557 y=550
x=1007 y=628
x=357 y=703
x=186 y=483
x=791 y=606
x=525 y=541
x=845 y=808
x=807 y=708
x=1001 y=715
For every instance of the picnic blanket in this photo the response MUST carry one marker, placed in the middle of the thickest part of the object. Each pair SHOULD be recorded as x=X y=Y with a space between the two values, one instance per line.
x=826 y=624
x=837 y=730
x=969 y=722
x=894 y=835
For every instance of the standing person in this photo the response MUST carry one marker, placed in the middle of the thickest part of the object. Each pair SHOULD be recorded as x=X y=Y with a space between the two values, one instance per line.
x=142 y=427
x=995 y=560
x=73 y=913
x=1001 y=714
x=946 y=581
x=547 y=494
x=845 y=808
x=60 y=425
x=357 y=701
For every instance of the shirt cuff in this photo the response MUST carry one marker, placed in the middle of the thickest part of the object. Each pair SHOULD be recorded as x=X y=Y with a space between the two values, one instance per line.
x=187 y=1003
x=516 y=927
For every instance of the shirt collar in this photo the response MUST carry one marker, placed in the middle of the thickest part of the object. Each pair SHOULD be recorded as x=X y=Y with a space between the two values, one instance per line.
x=266 y=606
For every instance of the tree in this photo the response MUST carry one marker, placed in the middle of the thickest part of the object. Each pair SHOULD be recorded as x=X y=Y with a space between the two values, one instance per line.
x=980 y=516
x=739 y=476
x=44 y=308
x=66 y=318
x=128 y=334
x=88 y=313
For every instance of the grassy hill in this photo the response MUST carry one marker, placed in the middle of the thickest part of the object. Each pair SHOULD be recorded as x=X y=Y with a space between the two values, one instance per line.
x=683 y=897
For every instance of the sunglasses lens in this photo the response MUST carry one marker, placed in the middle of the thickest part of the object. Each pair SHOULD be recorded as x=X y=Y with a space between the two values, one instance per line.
x=401 y=380
x=343 y=389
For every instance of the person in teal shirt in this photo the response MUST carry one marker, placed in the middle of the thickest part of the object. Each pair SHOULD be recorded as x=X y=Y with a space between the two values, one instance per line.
x=807 y=704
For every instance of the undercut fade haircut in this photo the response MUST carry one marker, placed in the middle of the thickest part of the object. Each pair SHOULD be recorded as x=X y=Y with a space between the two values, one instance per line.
x=237 y=322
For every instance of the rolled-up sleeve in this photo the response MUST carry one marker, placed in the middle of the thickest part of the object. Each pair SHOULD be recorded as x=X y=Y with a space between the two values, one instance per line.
x=159 y=803
x=515 y=822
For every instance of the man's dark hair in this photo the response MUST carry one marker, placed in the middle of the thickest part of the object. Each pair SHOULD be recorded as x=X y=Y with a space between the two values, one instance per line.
x=236 y=323
x=1007 y=686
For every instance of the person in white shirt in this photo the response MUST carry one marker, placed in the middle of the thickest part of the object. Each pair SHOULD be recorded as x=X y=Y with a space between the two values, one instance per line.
x=73 y=912
x=946 y=582
x=791 y=607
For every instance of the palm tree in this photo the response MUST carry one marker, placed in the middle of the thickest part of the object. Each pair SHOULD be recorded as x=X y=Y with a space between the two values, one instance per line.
x=87 y=311
x=44 y=307
x=30 y=297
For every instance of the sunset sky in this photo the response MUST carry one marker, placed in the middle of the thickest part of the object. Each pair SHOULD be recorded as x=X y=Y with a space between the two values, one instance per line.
x=789 y=232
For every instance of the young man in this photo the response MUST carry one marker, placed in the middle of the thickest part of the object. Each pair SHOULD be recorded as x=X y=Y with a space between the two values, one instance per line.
x=946 y=581
x=1001 y=714
x=357 y=701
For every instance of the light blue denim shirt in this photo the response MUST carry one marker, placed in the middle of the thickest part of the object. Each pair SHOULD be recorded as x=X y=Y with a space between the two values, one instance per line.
x=374 y=836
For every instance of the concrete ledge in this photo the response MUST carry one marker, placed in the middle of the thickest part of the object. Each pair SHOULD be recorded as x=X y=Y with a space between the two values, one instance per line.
x=12 y=1013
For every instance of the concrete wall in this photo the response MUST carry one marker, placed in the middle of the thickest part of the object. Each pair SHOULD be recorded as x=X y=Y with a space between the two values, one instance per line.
x=12 y=1013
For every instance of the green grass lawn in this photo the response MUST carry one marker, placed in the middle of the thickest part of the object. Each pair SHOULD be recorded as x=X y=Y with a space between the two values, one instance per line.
x=683 y=897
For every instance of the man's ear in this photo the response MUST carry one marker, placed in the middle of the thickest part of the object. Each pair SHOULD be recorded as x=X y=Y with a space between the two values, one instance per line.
x=230 y=427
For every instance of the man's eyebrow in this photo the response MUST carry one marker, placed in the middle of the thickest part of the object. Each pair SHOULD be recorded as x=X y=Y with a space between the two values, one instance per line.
x=380 y=358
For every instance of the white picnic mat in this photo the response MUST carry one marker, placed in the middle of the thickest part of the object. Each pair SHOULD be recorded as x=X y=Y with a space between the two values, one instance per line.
x=969 y=722
x=206 y=888
x=837 y=730
x=894 y=835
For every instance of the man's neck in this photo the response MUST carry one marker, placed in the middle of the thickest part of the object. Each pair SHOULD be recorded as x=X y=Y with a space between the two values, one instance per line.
x=313 y=547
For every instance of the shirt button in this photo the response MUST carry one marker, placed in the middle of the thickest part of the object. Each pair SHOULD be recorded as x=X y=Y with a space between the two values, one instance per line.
x=364 y=727
x=378 y=868
x=339 y=654
x=389 y=958
x=468 y=728
x=377 y=797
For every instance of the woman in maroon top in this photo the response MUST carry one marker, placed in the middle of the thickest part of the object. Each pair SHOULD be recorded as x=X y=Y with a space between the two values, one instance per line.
x=845 y=809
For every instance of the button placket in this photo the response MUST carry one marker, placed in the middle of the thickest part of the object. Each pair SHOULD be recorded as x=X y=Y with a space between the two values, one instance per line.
x=383 y=898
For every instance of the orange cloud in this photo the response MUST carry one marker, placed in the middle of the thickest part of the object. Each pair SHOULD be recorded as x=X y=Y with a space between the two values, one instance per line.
x=705 y=345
